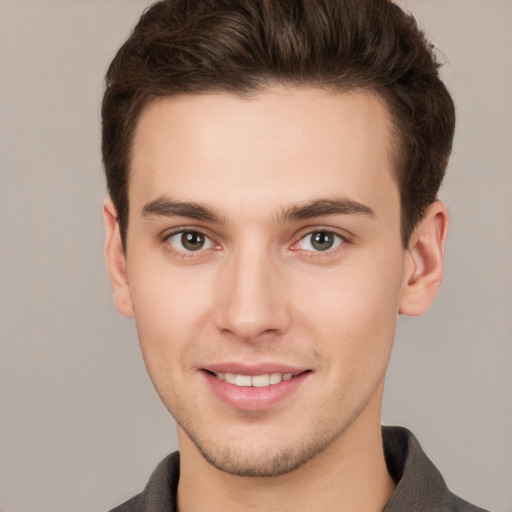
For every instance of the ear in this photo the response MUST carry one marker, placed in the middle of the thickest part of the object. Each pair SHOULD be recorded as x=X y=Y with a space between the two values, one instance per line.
x=116 y=261
x=424 y=261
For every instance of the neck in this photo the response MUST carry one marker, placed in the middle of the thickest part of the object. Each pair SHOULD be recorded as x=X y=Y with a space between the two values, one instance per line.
x=349 y=475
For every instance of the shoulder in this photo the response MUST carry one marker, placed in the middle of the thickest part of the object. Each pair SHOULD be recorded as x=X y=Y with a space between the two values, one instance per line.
x=159 y=495
x=420 y=485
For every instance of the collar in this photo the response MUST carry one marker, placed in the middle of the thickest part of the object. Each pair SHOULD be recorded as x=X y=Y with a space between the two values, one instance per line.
x=420 y=486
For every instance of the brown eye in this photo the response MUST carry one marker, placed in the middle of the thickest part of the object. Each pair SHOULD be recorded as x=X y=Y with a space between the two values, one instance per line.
x=320 y=241
x=189 y=241
x=192 y=241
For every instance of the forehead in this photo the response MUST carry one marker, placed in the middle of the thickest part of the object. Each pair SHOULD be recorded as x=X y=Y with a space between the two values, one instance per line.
x=274 y=147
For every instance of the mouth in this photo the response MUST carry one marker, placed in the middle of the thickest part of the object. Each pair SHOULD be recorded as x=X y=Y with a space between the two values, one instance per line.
x=255 y=381
x=253 y=389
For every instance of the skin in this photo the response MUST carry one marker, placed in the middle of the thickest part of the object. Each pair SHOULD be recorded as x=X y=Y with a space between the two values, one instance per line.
x=260 y=293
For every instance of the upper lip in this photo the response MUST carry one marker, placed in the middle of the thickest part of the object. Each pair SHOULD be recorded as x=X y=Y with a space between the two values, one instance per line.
x=253 y=369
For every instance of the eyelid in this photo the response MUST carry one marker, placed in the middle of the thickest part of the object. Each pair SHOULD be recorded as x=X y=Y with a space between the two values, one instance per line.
x=165 y=234
x=345 y=238
x=188 y=229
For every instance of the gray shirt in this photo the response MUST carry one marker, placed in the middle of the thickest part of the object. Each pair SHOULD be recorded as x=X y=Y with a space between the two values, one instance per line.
x=420 y=486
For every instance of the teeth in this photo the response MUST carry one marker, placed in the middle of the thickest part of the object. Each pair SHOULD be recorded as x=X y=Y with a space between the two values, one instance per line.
x=257 y=381
x=229 y=377
x=275 y=378
x=260 y=381
x=243 y=380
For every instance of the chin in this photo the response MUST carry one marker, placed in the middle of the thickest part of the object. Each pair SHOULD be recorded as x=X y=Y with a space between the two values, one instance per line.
x=275 y=463
x=260 y=460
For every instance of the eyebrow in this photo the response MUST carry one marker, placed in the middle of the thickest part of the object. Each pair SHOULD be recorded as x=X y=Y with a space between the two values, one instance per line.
x=166 y=207
x=323 y=207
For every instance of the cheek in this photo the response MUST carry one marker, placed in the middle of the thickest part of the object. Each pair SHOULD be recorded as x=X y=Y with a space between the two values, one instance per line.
x=170 y=313
x=353 y=311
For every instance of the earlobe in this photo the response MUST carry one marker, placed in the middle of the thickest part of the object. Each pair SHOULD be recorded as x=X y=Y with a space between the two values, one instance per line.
x=424 y=263
x=116 y=261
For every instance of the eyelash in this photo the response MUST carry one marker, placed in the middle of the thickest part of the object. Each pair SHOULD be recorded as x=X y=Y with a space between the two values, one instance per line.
x=184 y=252
x=339 y=240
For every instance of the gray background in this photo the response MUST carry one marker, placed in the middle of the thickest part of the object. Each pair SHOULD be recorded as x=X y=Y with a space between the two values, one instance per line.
x=80 y=425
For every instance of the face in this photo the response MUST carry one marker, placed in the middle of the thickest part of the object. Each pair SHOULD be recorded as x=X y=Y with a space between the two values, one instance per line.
x=265 y=269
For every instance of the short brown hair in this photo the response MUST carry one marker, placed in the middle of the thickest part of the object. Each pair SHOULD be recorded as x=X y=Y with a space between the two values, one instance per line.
x=242 y=46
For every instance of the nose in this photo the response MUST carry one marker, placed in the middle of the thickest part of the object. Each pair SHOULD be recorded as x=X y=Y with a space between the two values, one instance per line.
x=252 y=303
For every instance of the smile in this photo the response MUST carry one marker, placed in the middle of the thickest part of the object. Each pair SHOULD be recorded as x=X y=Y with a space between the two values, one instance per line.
x=256 y=381
x=250 y=389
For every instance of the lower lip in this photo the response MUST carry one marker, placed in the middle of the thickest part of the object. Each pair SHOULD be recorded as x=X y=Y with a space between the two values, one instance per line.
x=249 y=398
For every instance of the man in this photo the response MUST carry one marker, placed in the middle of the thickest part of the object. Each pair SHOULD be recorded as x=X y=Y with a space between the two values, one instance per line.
x=273 y=170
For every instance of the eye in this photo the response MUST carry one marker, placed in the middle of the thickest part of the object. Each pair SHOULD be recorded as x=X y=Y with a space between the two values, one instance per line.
x=190 y=241
x=320 y=240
